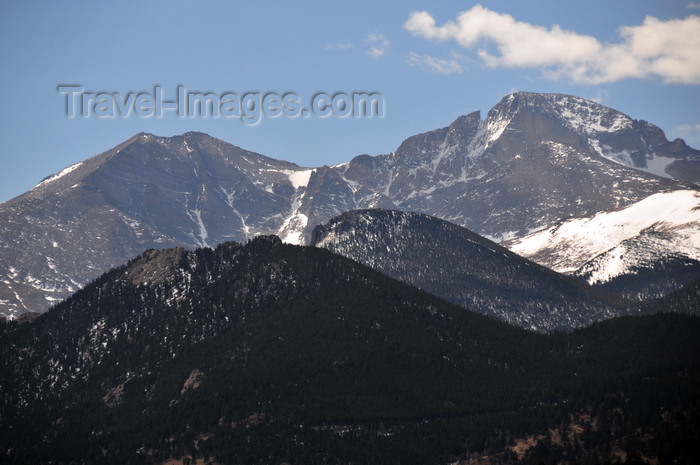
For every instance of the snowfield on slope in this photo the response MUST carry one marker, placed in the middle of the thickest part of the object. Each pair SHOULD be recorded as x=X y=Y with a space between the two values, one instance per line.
x=569 y=245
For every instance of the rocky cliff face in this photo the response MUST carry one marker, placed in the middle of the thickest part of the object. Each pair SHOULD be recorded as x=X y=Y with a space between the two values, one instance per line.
x=536 y=159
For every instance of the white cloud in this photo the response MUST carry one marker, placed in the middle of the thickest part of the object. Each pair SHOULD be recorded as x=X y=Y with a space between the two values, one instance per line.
x=688 y=132
x=378 y=44
x=669 y=50
x=693 y=5
x=434 y=64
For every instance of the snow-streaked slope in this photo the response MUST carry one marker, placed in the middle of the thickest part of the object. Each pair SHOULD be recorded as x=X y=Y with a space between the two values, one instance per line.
x=60 y=174
x=149 y=192
x=534 y=160
x=668 y=224
x=588 y=116
x=291 y=231
x=654 y=164
x=647 y=247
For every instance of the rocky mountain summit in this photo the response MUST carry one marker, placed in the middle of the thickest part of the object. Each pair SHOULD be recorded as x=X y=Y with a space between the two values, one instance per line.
x=149 y=192
x=535 y=160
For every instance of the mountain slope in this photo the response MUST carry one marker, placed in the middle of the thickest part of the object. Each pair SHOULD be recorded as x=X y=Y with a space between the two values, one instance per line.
x=642 y=251
x=684 y=300
x=149 y=192
x=272 y=353
x=536 y=159
x=278 y=332
x=464 y=268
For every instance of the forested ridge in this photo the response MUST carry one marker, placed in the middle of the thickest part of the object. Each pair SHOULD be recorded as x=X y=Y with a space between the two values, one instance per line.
x=271 y=353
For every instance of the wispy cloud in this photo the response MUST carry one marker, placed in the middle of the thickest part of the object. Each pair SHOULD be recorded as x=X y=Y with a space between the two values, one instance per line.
x=693 y=5
x=437 y=65
x=378 y=45
x=667 y=49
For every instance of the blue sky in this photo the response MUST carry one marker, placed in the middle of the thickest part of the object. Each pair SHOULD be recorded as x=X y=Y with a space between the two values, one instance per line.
x=431 y=62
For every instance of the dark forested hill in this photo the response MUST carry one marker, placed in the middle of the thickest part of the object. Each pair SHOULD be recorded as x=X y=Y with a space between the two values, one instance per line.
x=272 y=353
x=467 y=269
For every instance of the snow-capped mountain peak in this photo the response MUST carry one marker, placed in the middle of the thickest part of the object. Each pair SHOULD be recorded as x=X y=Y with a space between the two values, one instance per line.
x=534 y=159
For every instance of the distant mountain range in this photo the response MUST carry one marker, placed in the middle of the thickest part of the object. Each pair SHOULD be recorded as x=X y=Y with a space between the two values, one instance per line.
x=275 y=353
x=536 y=161
x=381 y=343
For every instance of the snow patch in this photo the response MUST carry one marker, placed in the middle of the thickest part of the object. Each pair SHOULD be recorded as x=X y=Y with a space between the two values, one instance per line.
x=59 y=175
x=229 y=200
x=299 y=178
x=579 y=240
x=657 y=166
x=291 y=231
x=590 y=117
x=19 y=299
x=195 y=215
x=293 y=227
x=203 y=234
x=496 y=128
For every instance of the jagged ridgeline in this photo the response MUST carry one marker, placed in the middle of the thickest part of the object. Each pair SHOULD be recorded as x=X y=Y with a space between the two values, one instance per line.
x=274 y=353
x=532 y=162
